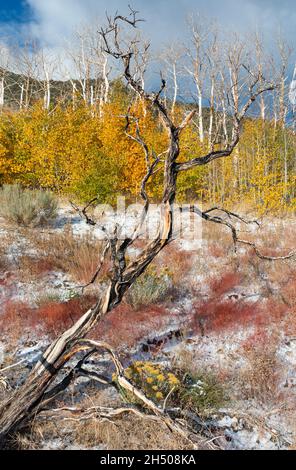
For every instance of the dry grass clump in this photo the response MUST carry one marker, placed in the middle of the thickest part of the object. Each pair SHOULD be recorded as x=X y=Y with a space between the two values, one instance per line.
x=22 y=441
x=260 y=379
x=28 y=208
x=3 y=259
x=32 y=267
x=34 y=436
x=129 y=433
x=76 y=255
x=125 y=432
x=178 y=262
x=218 y=237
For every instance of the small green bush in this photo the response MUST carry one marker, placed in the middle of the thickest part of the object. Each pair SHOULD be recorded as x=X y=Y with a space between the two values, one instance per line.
x=150 y=288
x=199 y=393
x=25 y=207
x=153 y=379
x=49 y=297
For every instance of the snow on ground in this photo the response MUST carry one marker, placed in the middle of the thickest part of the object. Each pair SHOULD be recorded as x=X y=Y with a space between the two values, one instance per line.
x=252 y=426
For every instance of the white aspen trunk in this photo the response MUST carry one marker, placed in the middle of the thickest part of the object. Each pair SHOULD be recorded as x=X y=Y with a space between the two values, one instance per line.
x=144 y=107
x=83 y=87
x=175 y=88
x=73 y=95
x=262 y=108
x=235 y=97
x=2 y=92
x=47 y=92
x=285 y=163
x=101 y=101
x=282 y=110
x=224 y=118
x=211 y=114
x=106 y=79
x=104 y=89
x=92 y=96
x=92 y=101
x=27 y=93
x=22 y=97
x=224 y=121
x=275 y=120
x=83 y=80
x=200 y=113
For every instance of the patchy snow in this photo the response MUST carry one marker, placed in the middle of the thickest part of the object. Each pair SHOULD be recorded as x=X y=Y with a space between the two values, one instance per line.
x=2 y=351
x=287 y=352
x=31 y=354
x=254 y=439
x=211 y=352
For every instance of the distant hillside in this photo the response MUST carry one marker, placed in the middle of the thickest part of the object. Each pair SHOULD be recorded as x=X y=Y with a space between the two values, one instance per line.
x=18 y=87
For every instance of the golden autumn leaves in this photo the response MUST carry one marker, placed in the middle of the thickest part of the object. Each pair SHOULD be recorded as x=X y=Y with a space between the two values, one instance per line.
x=79 y=152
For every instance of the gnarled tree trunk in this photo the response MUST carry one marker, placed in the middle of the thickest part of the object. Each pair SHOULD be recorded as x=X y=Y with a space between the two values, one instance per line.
x=30 y=398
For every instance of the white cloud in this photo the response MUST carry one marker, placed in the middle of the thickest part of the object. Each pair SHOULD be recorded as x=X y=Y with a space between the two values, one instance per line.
x=54 y=20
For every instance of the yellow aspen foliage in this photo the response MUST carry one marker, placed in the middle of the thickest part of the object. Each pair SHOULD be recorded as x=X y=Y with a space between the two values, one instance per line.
x=86 y=152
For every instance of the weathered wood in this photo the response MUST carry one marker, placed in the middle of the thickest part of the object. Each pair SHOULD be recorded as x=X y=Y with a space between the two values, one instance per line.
x=27 y=400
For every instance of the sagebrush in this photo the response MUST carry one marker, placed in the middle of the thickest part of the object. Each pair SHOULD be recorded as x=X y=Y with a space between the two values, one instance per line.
x=25 y=207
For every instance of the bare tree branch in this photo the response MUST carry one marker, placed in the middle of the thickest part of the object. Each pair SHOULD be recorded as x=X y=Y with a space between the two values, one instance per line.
x=236 y=240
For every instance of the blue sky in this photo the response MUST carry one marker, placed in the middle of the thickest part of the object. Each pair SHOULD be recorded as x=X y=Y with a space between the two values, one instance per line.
x=14 y=10
x=51 y=21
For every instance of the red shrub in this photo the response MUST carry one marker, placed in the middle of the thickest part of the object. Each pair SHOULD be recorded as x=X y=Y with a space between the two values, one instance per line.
x=57 y=317
x=217 y=251
x=52 y=318
x=215 y=315
x=14 y=312
x=218 y=315
x=124 y=327
x=225 y=283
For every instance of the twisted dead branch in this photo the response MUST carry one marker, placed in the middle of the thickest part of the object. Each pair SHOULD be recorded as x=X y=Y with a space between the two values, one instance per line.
x=39 y=389
x=236 y=240
x=122 y=382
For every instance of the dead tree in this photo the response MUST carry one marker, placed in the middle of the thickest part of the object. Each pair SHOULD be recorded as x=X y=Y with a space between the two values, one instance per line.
x=172 y=58
x=40 y=386
x=47 y=66
x=4 y=67
x=197 y=69
x=27 y=68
